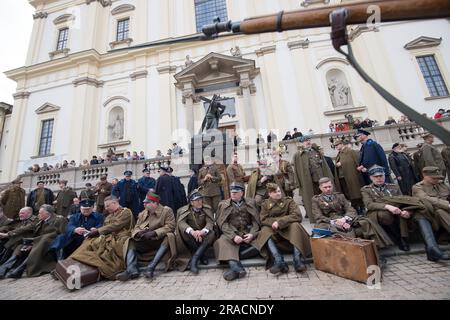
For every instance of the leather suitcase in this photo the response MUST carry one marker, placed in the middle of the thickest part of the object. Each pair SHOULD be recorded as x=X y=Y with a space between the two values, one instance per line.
x=76 y=275
x=345 y=257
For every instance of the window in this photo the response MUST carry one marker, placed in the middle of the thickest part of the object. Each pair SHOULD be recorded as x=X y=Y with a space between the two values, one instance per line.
x=432 y=75
x=207 y=10
x=62 y=39
x=123 y=27
x=45 y=142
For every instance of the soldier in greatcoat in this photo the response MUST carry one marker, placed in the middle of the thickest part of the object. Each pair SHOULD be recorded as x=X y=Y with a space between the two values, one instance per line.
x=281 y=228
x=149 y=241
x=238 y=222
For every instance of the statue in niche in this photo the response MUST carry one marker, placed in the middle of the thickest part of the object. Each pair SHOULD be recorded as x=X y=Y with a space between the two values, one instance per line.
x=188 y=61
x=116 y=129
x=339 y=93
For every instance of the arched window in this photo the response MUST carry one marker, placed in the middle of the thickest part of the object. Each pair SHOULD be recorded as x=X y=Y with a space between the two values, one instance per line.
x=340 y=93
x=207 y=10
x=116 y=124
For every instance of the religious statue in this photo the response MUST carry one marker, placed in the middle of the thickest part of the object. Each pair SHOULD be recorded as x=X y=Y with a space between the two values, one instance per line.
x=116 y=129
x=213 y=114
x=339 y=93
x=236 y=52
x=188 y=61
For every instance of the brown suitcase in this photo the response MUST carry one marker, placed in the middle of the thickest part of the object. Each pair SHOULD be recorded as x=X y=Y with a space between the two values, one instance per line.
x=76 y=275
x=349 y=258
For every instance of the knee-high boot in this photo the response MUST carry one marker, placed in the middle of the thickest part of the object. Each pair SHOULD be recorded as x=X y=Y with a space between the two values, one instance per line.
x=433 y=251
x=152 y=266
x=279 y=264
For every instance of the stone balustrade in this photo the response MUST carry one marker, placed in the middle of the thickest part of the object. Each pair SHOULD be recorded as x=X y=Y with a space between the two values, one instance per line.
x=410 y=134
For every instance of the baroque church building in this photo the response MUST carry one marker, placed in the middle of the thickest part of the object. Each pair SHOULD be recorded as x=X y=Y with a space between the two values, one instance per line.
x=84 y=89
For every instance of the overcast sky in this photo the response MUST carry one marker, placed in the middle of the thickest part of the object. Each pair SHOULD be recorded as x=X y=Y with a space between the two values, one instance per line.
x=16 y=22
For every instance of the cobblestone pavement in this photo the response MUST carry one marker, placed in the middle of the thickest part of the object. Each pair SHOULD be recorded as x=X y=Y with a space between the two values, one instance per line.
x=406 y=277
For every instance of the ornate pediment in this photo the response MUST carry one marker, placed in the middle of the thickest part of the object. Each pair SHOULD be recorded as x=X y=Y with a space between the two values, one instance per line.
x=423 y=42
x=46 y=108
x=122 y=8
x=64 y=18
x=214 y=69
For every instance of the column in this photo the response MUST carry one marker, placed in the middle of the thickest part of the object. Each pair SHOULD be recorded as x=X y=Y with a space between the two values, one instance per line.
x=167 y=113
x=14 y=143
x=139 y=131
x=86 y=114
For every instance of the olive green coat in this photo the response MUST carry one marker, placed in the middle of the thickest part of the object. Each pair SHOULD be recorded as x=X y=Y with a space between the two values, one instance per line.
x=19 y=230
x=433 y=158
x=39 y=261
x=287 y=213
x=349 y=160
x=162 y=221
x=106 y=252
x=64 y=201
x=438 y=196
x=304 y=180
x=225 y=248
x=181 y=259
x=12 y=200
x=445 y=153
x=325 y=211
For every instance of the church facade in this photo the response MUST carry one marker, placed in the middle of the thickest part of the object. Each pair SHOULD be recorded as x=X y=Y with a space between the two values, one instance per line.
x=85 y=90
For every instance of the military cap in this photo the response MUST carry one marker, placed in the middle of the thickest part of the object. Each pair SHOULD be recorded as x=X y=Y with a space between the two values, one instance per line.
x=86 y=203
x=426 y=135
x=433 y=172
x=376 y=170
x=364 y=132
x=272 y=187
x=338 y=142
x=152 y=197
x=17 y=181
x=346 y=142
x=128 y=173
x=40 y=181
x=104 y=177
x=88 y=184
x=195 y=195
x=165 y=169
x=145 y=170
x=169 y=169
x=237 y=187
x=395 y=145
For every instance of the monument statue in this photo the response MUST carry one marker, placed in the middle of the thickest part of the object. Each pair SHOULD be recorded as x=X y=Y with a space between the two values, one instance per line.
x=213 y=114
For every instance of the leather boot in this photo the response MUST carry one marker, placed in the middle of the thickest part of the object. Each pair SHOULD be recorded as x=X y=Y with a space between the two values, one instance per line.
x=431 y=246
x=248 y=253
x=132 y=271
x=17 y=272
x=197 y=256
x=403 y=244
x=8 y=265
x=236 y=271
x=152 y=266
x=299 y=265
x=279 y=264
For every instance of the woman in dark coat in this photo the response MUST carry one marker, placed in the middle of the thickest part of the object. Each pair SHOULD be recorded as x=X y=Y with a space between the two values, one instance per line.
x=403 y=168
